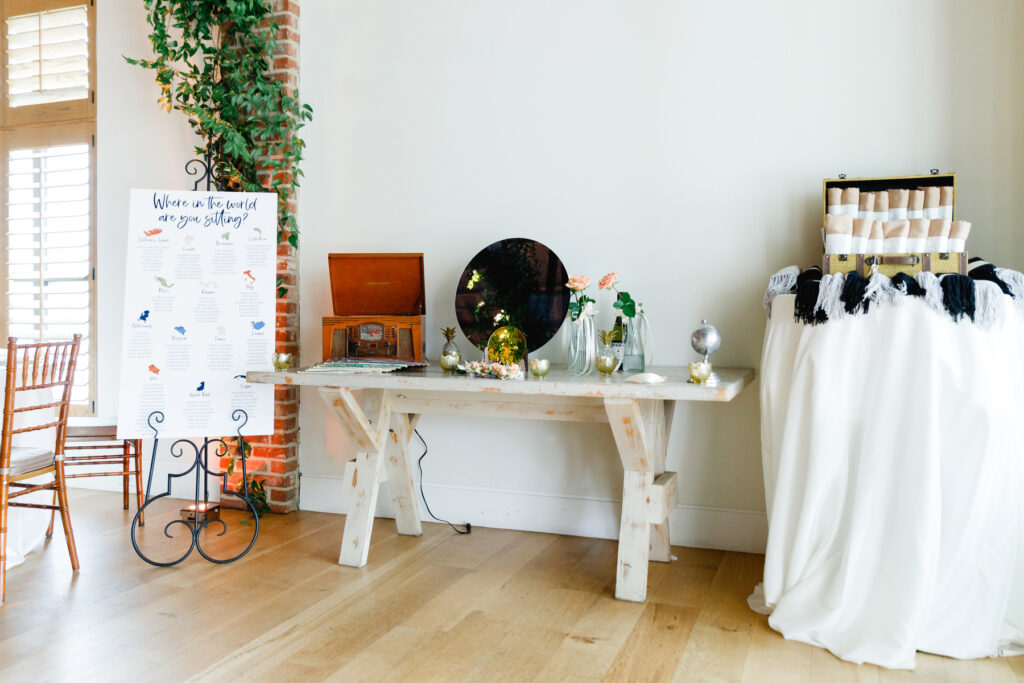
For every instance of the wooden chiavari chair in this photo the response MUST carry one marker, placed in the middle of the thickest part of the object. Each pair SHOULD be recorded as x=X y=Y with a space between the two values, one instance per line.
x=92 y=442
x=39 y=367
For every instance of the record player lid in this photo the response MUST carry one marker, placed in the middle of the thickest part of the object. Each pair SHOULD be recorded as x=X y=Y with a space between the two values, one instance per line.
x=376 y=284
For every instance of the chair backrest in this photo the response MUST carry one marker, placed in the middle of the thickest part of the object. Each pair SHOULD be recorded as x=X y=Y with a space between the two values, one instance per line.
x=37 y=367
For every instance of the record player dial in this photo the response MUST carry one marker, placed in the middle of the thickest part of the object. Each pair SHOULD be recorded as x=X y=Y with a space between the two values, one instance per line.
x=371 y=332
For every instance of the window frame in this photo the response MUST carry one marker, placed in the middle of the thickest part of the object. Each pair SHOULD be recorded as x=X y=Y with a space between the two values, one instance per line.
x=46 y=125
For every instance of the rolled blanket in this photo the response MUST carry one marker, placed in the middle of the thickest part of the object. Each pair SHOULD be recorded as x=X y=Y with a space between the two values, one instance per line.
x=1015 y=281
x=807 y=285
x=782 y=282
x=958 y=295
x=987 y=295
x=853 y=293
x=979 y=269
x=829 y=302
x=881 y=290
x=906 y=284
x=932 y=290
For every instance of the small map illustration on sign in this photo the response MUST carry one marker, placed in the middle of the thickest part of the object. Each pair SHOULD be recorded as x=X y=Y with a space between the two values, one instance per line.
x=154 y=369
x=202 y=385
x=154 y=231
x=163 y=282
x=145 y=316
x=258 y=324
x=249 y=275
x=180 y=330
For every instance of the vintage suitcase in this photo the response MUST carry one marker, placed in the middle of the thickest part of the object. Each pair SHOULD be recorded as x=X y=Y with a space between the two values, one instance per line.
x=891 y=264
x=378 y=307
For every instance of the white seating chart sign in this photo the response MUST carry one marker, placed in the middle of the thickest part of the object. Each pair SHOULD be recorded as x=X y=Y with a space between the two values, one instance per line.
x=199 y=312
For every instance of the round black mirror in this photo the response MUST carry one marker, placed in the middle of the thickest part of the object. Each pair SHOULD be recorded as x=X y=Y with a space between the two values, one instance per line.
x=517 y=282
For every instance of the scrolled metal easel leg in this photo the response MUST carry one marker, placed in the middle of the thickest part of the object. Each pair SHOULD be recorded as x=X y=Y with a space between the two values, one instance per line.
x=200 y=519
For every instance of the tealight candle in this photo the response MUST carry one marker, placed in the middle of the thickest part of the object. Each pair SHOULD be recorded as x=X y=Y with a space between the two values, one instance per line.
x=700 y=371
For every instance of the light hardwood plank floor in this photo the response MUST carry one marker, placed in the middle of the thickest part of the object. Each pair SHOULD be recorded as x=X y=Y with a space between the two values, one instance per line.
x=492 y=606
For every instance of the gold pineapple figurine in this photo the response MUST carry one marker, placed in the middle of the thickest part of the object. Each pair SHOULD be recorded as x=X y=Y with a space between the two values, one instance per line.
x=450 y=354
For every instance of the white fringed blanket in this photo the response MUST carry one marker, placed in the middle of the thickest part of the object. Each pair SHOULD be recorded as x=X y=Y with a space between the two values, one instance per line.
x=821 y=298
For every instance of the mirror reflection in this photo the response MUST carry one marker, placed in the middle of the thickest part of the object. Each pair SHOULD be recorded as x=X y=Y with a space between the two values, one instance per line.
x=517 y=282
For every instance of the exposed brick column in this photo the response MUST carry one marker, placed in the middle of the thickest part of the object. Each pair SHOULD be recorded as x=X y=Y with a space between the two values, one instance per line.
x=275 y=459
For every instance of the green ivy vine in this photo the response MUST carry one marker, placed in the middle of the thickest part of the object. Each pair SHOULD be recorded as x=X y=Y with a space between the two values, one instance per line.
x=213 y=62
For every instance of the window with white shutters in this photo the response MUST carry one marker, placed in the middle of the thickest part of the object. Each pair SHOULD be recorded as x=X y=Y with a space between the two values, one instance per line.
x=49 y=249
x=48 y=56
x=47 y=178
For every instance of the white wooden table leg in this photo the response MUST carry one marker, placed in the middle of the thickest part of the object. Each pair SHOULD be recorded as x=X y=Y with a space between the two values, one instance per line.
x=656 y=418
x=631 y=438
x=400 y=484
x=648 y=492
x=364 y=418
x=634 y=537
x=362 y=479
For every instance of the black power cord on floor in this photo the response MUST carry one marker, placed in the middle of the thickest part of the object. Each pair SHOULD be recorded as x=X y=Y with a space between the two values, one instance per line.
x=419 y=463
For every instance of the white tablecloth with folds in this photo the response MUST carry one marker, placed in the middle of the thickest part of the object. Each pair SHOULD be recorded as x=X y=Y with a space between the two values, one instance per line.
x=893 y=451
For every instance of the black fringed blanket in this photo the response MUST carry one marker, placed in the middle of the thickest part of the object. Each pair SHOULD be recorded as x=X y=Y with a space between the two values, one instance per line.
x=975 y=296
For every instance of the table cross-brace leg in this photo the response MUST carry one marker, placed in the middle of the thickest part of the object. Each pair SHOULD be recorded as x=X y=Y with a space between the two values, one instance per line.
x=365 y=420
x=400 y=483
x=648 y=492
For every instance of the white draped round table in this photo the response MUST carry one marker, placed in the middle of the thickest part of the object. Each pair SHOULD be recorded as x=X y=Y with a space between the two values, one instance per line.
x=893 y=452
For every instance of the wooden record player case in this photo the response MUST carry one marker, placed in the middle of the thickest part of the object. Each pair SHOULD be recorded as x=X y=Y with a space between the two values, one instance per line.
x=378 y=307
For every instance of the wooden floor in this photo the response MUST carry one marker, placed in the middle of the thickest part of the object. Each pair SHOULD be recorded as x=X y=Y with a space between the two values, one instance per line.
x=495 y=605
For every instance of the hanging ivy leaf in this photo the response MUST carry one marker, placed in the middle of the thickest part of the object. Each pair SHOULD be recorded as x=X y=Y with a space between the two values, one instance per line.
x=213 y=61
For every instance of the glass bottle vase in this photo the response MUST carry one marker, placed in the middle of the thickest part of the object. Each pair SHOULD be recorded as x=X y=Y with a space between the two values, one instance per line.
x=633 y=353
x=646 y=338
x=580 y=349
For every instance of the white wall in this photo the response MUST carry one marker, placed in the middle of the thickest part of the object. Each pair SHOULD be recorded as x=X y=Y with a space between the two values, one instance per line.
x=680 y=143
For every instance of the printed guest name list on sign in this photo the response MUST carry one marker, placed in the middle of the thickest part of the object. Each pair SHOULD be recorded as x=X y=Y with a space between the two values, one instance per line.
x=199 y=298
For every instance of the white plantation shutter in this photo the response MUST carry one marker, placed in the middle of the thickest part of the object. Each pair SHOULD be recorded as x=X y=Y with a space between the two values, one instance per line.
x=48 y=56
x=48 y=178
x=49 y=249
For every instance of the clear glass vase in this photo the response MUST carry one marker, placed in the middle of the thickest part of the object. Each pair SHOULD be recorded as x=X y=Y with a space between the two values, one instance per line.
x=646 y=338
x=581 y=347
x=633 y=352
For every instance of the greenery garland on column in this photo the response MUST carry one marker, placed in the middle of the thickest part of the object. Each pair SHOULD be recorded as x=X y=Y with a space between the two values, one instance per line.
x=213 y=62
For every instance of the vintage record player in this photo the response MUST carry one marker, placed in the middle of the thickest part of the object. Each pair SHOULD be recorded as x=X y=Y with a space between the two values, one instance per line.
x=378 y=307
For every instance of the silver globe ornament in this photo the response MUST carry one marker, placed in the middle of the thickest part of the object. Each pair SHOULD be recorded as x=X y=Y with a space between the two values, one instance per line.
x=705 y=340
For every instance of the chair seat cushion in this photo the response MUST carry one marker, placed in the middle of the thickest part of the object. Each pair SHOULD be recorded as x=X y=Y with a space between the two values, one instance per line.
x=28 y=458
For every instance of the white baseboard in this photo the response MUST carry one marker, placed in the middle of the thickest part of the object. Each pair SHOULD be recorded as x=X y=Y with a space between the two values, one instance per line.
x=690 y=525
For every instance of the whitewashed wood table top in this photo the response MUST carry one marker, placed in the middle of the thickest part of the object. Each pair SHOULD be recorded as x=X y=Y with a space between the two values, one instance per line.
x=559 y=382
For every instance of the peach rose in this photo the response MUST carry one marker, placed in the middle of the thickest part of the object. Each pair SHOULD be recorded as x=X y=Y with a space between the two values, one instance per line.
x=578 y=283
x=608 y=280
